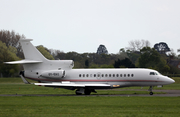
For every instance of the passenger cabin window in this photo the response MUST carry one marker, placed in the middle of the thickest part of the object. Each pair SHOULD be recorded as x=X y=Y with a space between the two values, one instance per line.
x=106 y=75
x=94 y=75
x=79 y=75
x=87 y=75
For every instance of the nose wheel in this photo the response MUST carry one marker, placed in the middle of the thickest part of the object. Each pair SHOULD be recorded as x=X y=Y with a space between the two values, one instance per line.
x=150 y=89
x=150 y=93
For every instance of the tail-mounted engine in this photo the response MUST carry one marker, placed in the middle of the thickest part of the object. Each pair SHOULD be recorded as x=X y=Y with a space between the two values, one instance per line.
x=54 y=74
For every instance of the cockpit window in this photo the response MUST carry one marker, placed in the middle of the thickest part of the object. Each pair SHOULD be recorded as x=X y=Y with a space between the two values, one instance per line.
x=153 y=73
x=159 y=73
x=72 y=64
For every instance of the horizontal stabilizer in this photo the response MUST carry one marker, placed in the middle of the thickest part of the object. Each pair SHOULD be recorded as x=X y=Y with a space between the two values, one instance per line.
x=70 y=84
x=25 y=61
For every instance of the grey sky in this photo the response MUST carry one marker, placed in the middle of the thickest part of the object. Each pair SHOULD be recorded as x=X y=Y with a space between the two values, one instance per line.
x=82 y=25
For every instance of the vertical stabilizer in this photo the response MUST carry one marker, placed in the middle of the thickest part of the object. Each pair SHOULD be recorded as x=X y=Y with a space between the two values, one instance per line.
x=31 y=52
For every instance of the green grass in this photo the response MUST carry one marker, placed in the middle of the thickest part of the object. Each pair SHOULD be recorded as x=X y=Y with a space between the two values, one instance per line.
x=90 y=106
x=84 y=106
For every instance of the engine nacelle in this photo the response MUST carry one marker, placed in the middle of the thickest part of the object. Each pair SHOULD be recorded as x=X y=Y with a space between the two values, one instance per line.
x=54 y=74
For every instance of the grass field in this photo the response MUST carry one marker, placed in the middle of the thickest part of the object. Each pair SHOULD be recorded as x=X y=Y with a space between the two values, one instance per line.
x=84 y=106
x=90 y=106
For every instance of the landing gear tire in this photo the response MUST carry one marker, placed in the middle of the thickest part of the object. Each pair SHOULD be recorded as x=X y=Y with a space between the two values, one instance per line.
x=77 y=93
x=87 y=92
x=151 y=93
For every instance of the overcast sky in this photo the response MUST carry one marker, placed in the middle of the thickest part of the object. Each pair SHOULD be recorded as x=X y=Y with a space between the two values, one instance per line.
x=82 y=25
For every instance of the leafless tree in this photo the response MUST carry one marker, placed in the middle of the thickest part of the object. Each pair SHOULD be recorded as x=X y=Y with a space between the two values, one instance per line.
x=10 y=38
x=137 y=45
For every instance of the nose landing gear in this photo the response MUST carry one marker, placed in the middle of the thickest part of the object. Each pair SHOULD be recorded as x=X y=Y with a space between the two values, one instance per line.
x=150 y=89
x=151 y=93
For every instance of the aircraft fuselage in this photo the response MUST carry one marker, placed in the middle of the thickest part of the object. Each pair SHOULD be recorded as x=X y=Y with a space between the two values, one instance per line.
x=114 y=77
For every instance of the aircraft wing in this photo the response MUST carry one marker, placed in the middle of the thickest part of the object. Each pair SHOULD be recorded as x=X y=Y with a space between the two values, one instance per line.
x=73 y=85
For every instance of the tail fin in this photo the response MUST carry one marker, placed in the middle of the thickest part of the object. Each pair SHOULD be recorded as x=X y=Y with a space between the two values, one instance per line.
x=35 y=61
x=31 y=52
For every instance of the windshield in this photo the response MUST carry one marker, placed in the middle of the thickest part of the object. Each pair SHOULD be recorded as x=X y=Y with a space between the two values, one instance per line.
x=153 y=73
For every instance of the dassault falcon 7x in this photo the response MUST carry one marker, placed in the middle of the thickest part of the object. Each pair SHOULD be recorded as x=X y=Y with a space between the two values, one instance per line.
x=59 y=73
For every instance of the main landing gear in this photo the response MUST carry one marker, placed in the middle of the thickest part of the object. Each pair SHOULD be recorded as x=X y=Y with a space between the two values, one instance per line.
x=79 y=91
x=86 y=91
x=150 y=89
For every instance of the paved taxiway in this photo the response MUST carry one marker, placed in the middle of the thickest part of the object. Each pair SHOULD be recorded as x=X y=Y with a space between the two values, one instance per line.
x=168 y=93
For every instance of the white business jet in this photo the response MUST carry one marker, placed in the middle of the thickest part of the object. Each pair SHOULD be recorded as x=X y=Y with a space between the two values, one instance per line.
x=59 y=73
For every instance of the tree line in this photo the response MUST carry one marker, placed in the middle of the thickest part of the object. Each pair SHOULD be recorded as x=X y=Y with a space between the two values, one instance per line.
x=139 y=54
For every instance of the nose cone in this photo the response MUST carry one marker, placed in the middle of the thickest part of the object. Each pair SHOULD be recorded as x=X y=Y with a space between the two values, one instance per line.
x=170 y=81
x=166 y=80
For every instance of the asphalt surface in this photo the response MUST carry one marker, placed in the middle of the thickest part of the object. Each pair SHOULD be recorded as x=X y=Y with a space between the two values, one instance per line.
x=168 y=93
